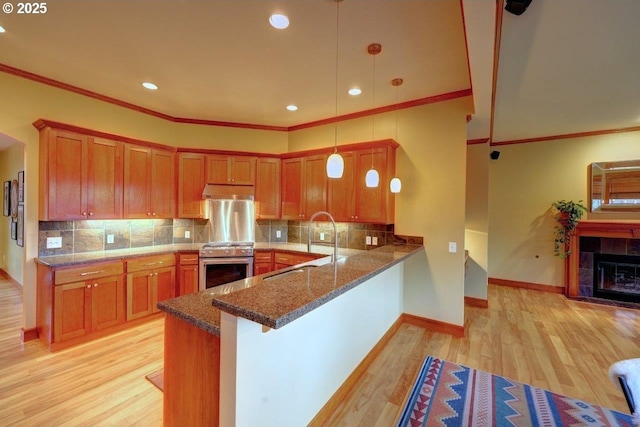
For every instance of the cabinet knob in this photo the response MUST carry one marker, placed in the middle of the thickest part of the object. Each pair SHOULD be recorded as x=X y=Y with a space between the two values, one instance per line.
x=150 y=274
x=90 y=213
x=84 y=214
x=153 y=214
x=95 y=285
x=148 y=213
x=89 y=286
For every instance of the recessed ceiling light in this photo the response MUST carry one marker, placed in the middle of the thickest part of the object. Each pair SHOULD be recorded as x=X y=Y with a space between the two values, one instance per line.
x=279 y=21
x=1 y=29
x=292 y=107
x=150 y=86
x=355 y=91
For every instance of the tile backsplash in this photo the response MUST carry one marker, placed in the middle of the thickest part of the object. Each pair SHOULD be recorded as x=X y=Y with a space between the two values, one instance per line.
x=94 y=236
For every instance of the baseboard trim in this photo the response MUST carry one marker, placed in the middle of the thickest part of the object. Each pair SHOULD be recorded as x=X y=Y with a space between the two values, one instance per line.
x=533 y=286
x=11 y=280
x=433 y=325
x=29 y=334
x=338 y=397
x=476 y=302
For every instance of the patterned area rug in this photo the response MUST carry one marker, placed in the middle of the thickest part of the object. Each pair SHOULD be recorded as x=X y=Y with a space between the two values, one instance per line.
x=447 y=394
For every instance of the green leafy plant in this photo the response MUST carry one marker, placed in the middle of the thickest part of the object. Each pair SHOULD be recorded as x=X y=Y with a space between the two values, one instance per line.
x=568 y=213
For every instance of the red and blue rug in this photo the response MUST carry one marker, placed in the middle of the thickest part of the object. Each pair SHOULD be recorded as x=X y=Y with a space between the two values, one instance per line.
x=448 y=394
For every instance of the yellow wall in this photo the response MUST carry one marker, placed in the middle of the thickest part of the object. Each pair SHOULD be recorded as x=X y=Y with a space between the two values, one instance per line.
x=432 y=165
x=524 y=182
x=477 y=221
x=11 y=255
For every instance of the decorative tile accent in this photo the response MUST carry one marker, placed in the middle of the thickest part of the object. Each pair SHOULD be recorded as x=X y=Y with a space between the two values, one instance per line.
x=141 y=236
x=89 y=240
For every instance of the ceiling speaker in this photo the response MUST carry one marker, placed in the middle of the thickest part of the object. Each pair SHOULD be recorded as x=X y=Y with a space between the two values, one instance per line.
x=517 y=7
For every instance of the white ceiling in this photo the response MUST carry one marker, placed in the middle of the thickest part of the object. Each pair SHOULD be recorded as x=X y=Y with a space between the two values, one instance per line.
x=565 y=66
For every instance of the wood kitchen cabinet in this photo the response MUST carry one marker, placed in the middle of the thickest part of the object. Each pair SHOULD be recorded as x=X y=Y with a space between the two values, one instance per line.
x=149 y=280
x=349 y=197
x=262 y=262
x=267 y=192
x=75 y=302
x=81 y=176
x=289 y=259
x=187 y=273
x=149 y=182
x=224 y=169
x=304 y=186
x=191 y=182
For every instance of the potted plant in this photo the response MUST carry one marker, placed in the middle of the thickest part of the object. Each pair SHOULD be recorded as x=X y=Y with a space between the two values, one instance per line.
x=568 y=213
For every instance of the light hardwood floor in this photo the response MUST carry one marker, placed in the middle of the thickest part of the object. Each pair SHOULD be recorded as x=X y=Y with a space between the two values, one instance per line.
x=529 y=336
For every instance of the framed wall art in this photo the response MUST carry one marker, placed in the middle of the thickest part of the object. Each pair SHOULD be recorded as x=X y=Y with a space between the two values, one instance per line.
x=5 y=198
x=20 y=226
x=14 y=200
x=21 y=187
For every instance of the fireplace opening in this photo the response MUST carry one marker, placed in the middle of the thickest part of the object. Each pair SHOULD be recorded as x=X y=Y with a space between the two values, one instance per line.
x=616 y=277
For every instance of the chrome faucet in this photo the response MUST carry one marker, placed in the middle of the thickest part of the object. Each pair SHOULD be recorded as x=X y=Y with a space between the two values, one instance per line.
x=335 y=234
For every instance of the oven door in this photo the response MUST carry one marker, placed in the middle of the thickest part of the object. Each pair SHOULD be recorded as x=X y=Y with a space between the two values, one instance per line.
x=219 y=271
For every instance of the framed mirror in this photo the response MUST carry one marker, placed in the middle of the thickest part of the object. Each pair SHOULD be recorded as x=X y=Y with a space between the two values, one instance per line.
x=614 y=186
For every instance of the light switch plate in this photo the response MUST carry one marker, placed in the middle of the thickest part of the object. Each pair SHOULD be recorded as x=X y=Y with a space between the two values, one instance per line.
x=453 y=247
x=375 y=241
x=368 y=240
x=54 y=242
x=109 y=238
x=187 y=234
x=321 y=236
x=278 y=234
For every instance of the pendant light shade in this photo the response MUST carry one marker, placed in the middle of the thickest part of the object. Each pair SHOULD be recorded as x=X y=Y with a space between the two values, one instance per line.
x=335 y=162
x=335 y=165
x=372 y=179
x=395 y=185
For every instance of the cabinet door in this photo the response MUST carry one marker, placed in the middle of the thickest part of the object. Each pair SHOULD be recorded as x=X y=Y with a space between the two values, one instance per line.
x=243 y=170
x=370 y=203
x=164 y=286
x=72 y=311
x=267 y=196
x=137 y=182
x=341 y=191
x=105 y=179
x=187 y=279
x=191 y=181
x=291 y=188
x=139 y=294
x=314 y=197
x=66 y=160
x=261 y=268
x=218 y=169
x=107 y=302
x=162 y=184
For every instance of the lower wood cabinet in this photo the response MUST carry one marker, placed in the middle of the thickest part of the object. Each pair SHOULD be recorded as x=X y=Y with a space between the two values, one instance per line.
x=262 y=262
x=149 y=280
x=187 y=273
x=289 y=259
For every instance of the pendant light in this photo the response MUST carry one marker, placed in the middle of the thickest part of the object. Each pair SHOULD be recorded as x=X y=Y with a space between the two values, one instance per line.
x=372 y=178
x=335 y=162
x=395 y=185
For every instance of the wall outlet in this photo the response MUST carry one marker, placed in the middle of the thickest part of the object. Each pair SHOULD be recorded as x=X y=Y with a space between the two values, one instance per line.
x=321 y=236
x=368 y=240
x=187 y=234
x=375 y=241
x=278 y=234
x=453 y=247
x=109 y=238
x=54 y=242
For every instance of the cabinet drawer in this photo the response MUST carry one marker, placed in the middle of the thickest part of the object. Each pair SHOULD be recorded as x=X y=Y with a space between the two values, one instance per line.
x=262 y=256
x=184 y=259
x=88 y=271
x=282 y=258
x=150 y=262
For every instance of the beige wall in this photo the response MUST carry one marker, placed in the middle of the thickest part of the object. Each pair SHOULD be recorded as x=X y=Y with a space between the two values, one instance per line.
x=432 y=165
x=477 y=221
x=11 y=255
x=522 y=185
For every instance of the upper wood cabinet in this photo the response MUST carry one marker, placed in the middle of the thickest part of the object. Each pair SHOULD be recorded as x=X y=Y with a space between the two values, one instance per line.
x=304 y=186
x=223 y=169
x=191 y=181
x=149 y=183
x=349 y=197
x=81 y=176
x=267 y=195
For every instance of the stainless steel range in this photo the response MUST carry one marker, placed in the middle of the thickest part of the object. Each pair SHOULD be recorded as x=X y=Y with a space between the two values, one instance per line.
x=229 y=255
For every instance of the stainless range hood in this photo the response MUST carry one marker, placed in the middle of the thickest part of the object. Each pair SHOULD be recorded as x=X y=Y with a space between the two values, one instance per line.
x=229 y=192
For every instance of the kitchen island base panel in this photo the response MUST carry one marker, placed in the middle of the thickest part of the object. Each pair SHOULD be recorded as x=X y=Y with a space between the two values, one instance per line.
x=191 y=375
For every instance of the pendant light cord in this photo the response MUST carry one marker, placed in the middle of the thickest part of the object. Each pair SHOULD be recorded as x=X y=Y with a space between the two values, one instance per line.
x=335 y=124
x=373 y=127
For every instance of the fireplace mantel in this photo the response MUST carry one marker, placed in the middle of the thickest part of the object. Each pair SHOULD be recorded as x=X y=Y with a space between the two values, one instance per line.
x=607 y=229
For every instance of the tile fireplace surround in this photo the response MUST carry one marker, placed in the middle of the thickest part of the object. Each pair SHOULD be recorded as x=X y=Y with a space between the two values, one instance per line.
x=598 y=237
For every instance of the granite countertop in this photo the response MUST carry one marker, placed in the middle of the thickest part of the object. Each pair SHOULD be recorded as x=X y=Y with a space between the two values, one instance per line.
x=278 y=298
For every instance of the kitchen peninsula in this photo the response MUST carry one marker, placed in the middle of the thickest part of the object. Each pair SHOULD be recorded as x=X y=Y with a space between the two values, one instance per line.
x=272 y=349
